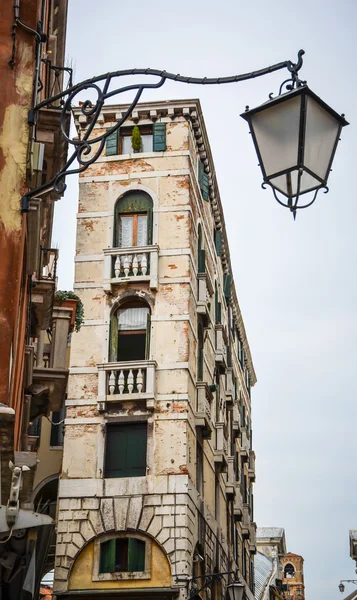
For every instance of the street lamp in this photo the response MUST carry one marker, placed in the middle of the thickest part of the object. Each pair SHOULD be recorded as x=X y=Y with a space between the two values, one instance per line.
x=295 y=134
x=341 y=587
x=235 y=590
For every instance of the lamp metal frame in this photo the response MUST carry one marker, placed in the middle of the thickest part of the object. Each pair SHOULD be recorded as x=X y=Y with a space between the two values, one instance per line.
x=101 y=85
x=304 y=91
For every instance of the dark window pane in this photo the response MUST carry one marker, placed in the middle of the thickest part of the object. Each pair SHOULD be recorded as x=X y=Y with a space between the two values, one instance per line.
x=57 y=431
x=121 y=554
x=131 y=346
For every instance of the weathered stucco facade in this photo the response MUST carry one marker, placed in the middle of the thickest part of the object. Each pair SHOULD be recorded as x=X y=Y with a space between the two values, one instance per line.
x=189 y=388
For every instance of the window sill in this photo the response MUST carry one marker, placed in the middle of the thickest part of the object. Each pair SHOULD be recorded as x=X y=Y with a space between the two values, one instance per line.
x=124 y=576
x=120 y=157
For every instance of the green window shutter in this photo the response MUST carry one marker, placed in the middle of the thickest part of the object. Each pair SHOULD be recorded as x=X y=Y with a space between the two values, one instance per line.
x=203 y=180
x=159 y=137
x=125 y=454
x=227 y=286
x=136 y=555
x=218 y=313
x=149 y=226
x=202 y=261
x=229 y=356
x=111 y=143
x=218 y=242
x=113 y=347
x=115 y=452
x=136 y=449
x=148 y=335
x=107 y=557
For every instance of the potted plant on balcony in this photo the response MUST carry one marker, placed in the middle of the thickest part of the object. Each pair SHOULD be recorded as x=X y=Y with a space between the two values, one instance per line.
x=136 y=140
x=71 y=300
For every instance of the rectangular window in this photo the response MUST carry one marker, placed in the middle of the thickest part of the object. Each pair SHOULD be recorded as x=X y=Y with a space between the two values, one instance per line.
x=126 y=147
x=125 y=453
x=199 y=468
x=133 y=230
x=57 y=431
x=153 y=139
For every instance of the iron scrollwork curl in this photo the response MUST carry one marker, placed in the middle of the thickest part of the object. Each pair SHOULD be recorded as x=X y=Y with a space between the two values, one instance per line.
x=88 y=149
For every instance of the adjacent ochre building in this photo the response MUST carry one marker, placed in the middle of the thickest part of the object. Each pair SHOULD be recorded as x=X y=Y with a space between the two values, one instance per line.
x=158 y=463
x=293 y=575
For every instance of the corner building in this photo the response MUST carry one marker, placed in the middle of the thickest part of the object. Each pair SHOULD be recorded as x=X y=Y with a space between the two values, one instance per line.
x=158 y=463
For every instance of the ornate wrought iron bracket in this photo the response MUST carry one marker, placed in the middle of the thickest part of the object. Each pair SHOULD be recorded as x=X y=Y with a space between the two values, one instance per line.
x=87 y=150
x=195 y=585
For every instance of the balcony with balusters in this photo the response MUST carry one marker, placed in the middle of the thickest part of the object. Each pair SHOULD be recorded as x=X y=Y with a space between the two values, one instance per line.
x=134 y=264
x=126 y=381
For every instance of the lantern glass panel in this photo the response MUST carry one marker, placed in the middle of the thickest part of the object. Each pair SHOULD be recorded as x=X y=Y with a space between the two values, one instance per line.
x=321 y=133
x=288 y=184
x=276 y=131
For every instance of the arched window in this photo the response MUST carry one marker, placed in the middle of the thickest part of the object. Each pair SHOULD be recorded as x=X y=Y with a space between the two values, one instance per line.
x=130 y=332
x=289 y=571
x=122 y=555
x=133 y=220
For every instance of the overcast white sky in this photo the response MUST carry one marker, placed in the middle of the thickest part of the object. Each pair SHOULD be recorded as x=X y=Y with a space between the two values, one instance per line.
x=296 y=281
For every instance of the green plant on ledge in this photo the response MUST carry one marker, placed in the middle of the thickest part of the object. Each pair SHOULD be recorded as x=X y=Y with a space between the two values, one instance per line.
x=136 y=140
x=61 y=296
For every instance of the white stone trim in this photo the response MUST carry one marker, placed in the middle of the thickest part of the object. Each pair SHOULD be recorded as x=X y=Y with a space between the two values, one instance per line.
x=88 y=258
x=158 y=318
x=163 y=397
x=134 y=176
x=83 y=370
x=141 y=155
x=87 y=286
x=163 y=280
x=91 y=215
x=172 y=366
x=81 y=402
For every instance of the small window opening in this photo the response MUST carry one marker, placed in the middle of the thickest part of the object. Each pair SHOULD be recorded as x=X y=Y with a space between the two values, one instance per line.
x=122 y=555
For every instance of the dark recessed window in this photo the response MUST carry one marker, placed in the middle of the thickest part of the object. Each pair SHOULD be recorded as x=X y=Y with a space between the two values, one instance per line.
x=130 y=332
x=289 y=571
x=125 y=452
x=122 y=555
x=57 y=428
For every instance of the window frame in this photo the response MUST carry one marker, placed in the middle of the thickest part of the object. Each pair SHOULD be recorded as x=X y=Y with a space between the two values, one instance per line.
x=127 y=132
x=121 y=575
x=135 y=217
x=133 y=203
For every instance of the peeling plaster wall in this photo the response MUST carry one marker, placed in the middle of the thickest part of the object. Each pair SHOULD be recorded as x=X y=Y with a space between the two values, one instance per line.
x=16 y=90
